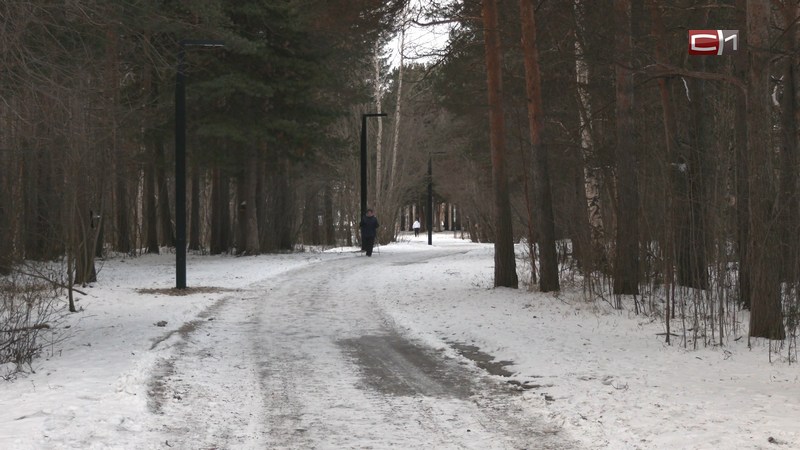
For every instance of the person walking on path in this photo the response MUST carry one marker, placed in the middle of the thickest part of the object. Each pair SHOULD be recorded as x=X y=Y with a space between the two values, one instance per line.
x=416 y=228
x=369 y=229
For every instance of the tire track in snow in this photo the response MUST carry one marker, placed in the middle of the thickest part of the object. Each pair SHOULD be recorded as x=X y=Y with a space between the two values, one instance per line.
x=205 y=390
x=336 y=374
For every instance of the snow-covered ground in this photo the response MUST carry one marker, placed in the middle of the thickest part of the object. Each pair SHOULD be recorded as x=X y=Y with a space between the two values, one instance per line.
x=603 y=377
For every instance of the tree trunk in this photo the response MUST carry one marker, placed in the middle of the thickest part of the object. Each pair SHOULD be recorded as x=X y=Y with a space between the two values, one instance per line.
x=123 y=207
x=123 y=204
x=592 y=182
x=5 y=227
x=194 y=214
x=284 y=213
x=543 y=199
x=149 y=191
x=311 y=219
x=329 y=223
x=397 y=107
x=379 y=135
x=151 y=214
x=82 y=234
x=226 y=221
x=690 y=171
x=790 y=116
x=70 y=283
x=316 y=229
x=165 y=215
x=39 y=227
x=349 y=230
x=85 y=271
x=765 y=296
x=252 y=246
x=265 y=231
x=99 y=245
x=270 y=219
x=219 y=208
x=421 y=214
x=670 y=135
x=742 y=167
x=626 y=261
x=240 y=237
x=505 y=269
x=6 y=234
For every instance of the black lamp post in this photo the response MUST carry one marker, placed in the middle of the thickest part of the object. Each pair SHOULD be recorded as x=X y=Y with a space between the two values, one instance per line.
x=180 y=159
x=430 y=200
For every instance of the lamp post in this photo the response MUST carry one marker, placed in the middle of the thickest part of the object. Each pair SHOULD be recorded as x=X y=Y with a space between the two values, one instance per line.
x=180 y=159
x=364 y=163
x=430 y=195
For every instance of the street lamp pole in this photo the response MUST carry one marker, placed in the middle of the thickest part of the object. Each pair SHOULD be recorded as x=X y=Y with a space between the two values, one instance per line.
x=180 y=159
x=430 y=199
x=180 y=171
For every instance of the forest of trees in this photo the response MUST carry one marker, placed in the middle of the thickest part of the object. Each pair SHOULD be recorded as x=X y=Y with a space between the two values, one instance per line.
x=582 y=128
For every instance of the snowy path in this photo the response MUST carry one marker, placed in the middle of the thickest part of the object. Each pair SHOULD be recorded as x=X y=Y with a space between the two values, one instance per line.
x=336 y=350
x=309 y=360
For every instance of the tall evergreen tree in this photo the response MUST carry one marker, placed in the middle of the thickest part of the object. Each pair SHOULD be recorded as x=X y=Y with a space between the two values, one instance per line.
x=505 y=272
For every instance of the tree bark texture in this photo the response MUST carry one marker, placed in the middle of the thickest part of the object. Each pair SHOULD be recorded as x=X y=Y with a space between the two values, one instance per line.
x=626 y=260
x=329 y=223
x=505 y=272
x=789 y=215
x=220 y=215
x=378 y=196
x=123 y=207
x=165 y=214
x=765 y=295
x=542 y=193
x=194 y=212
x=591 y=176
x=252 y=246
x=690 y=169
x=742 y=167
x=151 y=214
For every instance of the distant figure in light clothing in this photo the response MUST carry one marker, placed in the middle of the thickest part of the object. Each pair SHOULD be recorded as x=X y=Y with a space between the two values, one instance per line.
x=416 y=228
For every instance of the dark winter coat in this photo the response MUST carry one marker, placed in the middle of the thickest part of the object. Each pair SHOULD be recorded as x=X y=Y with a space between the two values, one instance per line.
x=369 y=226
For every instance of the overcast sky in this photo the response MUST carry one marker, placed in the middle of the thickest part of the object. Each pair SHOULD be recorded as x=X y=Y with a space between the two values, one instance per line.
x=420 y=41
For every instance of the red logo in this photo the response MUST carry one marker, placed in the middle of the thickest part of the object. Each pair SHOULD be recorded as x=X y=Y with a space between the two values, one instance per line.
x=713 y=42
